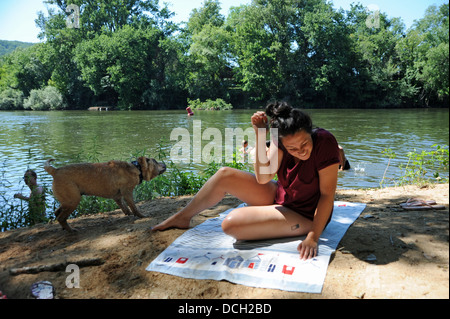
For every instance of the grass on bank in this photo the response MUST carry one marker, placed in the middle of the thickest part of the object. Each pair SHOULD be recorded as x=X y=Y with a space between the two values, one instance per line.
x=422 y=168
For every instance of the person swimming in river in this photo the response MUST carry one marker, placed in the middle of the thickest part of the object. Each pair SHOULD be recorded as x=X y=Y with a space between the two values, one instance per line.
x=299 y=203
x=36 y=199
x=344 y=164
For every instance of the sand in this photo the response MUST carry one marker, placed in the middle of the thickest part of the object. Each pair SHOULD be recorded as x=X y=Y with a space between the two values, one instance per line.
x=411 y=251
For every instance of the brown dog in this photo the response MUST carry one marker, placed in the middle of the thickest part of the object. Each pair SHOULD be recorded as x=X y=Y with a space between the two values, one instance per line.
x=114 y=179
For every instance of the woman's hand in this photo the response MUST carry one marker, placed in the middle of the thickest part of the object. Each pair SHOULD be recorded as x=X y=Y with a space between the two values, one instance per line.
x=327 y=183
x=307 y=248
x=259 y=120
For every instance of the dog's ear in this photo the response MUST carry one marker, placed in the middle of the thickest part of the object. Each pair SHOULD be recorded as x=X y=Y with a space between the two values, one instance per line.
x=146 y=170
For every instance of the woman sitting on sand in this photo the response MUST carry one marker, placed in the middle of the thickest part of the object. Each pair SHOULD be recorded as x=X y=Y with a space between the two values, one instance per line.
x=299 y=203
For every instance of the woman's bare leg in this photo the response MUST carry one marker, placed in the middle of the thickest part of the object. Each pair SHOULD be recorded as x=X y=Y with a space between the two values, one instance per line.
x=264 y=222
x=240 y=184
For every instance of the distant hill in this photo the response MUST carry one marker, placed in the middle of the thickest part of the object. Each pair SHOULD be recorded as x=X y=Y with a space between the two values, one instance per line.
x=9 y=46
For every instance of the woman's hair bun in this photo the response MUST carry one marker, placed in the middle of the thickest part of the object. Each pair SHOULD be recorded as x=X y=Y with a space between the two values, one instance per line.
x=278 y=109
x=287 y=119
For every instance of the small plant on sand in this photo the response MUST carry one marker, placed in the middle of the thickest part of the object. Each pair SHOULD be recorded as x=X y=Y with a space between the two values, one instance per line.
x=422 y=167
x=426 y=166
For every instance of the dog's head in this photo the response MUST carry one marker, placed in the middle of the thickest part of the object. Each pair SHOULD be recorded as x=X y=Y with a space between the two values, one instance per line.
x=150 y=168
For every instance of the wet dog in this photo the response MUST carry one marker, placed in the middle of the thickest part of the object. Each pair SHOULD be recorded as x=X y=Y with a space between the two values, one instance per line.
x=114 y=179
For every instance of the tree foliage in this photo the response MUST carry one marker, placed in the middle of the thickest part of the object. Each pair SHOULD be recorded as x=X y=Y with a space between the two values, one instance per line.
x=7 y=47
x=44 y=99
x=128 y=53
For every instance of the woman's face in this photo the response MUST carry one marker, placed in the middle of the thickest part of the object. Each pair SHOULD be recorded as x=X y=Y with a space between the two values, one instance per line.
x=299 y=145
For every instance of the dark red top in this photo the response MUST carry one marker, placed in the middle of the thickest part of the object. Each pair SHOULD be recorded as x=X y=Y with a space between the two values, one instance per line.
x=298 y=183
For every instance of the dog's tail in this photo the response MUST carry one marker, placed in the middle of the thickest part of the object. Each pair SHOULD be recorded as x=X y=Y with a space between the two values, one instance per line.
x=50 y=169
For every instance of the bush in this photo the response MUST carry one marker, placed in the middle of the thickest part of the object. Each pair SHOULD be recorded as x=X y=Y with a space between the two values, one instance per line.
x=426 y=166
x=217 y=105
x=11 y=99
x=422 y=168
x=48 y=98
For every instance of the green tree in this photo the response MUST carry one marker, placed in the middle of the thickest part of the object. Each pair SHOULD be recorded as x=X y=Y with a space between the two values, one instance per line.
x=127 y=53
x=294 y=49
x=25 y=69
x=166 y=89
x=210 y=69
x=208 y=65
x=379 y=70
x=255 y=52
x=329 y=55
x=21 y=72
x=99 y=22
x=424 y=53
x=130 y=65
x=208 y=14
x=99 y=16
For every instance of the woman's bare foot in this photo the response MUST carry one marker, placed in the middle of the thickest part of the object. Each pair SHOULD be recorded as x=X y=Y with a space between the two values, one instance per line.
x=175 y=221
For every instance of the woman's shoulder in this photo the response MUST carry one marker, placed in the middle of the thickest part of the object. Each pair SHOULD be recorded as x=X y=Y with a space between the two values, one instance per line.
x=325 y=148
x=322 y=134
x=324 y=140
x=321 y=131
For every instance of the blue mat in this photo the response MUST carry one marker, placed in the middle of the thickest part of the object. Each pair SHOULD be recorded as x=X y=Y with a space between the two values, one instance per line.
x=205 y=252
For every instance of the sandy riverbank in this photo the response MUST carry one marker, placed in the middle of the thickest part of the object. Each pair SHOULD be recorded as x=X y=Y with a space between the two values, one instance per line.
x=411 y=249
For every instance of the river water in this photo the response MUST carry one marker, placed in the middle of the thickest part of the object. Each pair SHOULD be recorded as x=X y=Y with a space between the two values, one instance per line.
x=29 y=138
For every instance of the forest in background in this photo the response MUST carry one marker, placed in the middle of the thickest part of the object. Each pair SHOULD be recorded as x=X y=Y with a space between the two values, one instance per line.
x=128 y=54
x=7 y=47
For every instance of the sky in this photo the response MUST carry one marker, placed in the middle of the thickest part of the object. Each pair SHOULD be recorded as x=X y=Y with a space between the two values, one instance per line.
x=17 y=16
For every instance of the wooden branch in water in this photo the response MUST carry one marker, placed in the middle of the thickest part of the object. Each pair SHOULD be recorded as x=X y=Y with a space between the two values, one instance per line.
x=56 y=267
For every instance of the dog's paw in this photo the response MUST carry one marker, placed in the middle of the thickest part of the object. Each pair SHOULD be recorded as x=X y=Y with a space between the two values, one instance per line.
x=139 y=215
x=71 y=230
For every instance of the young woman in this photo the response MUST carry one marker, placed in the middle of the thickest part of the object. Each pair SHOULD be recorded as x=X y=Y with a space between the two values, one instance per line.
x=299 y=203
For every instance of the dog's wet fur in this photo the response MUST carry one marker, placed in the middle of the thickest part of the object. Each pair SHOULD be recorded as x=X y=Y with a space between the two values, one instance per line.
x=114 y=179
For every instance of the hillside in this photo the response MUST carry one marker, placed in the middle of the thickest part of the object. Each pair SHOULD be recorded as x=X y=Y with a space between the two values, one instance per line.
x=7 y=47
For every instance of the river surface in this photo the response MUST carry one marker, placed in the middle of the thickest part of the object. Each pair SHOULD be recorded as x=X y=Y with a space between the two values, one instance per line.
x=28 y=139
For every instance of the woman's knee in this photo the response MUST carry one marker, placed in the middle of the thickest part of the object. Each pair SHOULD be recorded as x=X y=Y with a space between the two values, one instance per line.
x=227 y=225
x=226 y=172
x=230 y=226
x=229 y=178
